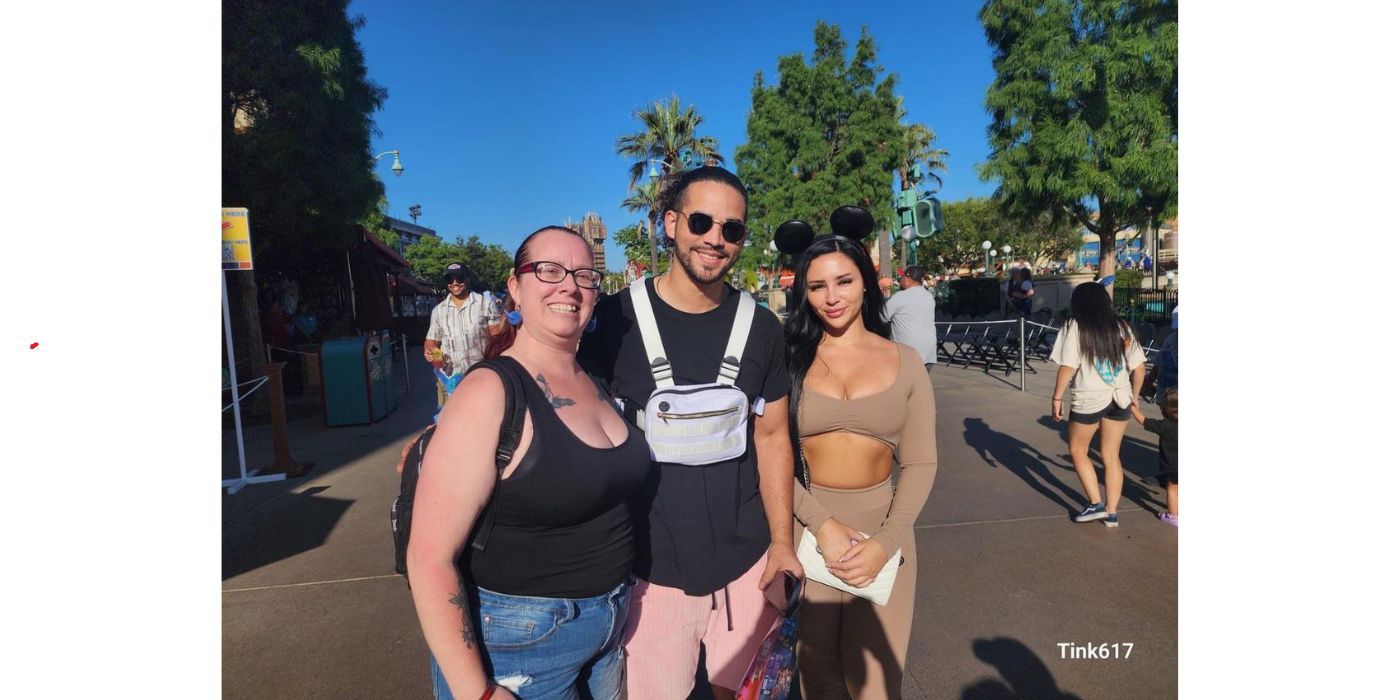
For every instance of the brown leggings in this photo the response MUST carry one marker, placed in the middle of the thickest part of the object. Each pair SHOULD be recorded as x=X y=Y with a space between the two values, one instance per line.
x=846 y=644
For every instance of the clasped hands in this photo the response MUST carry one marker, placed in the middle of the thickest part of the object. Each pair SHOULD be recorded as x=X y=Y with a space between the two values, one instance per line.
x=850 y=556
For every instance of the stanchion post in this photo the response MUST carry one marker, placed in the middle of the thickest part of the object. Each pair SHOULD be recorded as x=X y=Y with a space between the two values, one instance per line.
x=282 y=450
x=407 y=379
x=1022 y=323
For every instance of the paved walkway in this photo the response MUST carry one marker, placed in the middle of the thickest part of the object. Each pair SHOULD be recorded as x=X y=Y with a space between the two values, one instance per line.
x=312 y=608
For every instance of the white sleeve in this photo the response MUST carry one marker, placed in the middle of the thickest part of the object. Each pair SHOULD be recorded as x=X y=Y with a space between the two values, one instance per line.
x=435 y=326
x=1066 y=350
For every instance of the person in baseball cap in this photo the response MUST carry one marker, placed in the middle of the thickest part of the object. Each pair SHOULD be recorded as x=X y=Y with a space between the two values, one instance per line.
x=457 y=270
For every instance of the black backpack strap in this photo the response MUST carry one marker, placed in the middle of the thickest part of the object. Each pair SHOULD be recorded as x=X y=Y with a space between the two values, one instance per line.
x=512 y=425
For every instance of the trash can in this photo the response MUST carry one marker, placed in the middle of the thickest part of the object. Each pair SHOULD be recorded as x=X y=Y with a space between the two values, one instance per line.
x=310 y=366
x=356 y=380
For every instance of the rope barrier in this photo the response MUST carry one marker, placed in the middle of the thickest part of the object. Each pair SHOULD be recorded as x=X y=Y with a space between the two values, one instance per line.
x=259 y=380
x=295 y=352
x=250 y=381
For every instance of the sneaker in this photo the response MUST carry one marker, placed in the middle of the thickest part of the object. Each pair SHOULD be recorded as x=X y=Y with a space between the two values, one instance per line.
x=1093 y=512
x=1169 y=519
x=1111 y=520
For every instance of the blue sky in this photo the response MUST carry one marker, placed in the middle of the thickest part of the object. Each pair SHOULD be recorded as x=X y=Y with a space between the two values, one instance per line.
x=506 y=112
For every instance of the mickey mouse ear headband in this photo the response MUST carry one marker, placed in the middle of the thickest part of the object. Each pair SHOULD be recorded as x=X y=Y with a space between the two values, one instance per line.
x=850 y=221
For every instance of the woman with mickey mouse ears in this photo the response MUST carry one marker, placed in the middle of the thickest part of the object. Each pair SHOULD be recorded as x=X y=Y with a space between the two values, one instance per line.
x=858 y=400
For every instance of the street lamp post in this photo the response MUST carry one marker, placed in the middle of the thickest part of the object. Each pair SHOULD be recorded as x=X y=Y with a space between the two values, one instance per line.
x=652 y=174
x=1005 y=255
x=987 y=256
x=1156 y=245
x=397 y=167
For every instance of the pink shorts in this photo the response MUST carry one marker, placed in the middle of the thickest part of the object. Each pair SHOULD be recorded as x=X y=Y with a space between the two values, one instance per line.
x=665 y=628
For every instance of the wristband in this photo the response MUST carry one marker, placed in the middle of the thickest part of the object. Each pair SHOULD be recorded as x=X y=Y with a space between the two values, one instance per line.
x=490 y=690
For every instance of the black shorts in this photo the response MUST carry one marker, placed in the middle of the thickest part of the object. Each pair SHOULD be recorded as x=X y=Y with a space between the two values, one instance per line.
x=1111 y=412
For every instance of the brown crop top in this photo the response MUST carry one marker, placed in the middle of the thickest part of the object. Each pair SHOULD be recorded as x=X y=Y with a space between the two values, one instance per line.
x=902 y=417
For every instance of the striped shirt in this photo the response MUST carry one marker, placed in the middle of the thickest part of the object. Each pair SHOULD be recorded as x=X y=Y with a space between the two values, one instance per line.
x=462 y=331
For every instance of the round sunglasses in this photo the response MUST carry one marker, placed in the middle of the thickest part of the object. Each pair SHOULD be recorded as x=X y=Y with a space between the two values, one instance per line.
x=553 y=273
x=700 y=224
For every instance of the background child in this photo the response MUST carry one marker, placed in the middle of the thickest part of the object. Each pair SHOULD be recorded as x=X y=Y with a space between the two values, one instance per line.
x=1166 y=431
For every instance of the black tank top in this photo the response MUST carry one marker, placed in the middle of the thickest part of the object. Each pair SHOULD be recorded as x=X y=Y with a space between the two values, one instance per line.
x=563 y=528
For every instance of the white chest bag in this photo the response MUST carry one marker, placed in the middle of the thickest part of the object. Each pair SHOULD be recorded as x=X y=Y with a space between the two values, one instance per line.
x=695 y=424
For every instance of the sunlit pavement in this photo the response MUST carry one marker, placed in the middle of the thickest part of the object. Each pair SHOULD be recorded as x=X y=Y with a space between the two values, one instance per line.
x=1009 y=589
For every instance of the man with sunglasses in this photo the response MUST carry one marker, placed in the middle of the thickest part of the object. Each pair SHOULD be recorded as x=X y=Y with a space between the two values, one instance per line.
x=457 y=328
x=712 y=537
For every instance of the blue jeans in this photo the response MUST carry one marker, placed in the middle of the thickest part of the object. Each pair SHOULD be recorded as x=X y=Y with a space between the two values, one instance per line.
x=551 y=647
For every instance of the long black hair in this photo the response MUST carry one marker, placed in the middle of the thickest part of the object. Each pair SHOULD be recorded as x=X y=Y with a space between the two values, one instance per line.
x=1101 y=332
x=804 y=329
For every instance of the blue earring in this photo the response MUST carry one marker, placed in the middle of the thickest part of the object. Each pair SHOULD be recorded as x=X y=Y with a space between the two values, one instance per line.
x=592 y=325
x=513 y=318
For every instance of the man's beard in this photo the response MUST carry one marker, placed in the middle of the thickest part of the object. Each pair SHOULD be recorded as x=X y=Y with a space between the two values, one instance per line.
x=696 y=272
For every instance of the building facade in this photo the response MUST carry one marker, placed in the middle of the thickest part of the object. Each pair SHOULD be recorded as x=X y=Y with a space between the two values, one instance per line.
x=593 y=231
x=409 y=233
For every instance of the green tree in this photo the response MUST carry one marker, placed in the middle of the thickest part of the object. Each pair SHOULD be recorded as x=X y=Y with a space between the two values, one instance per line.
x=489 y=263
x=970 y=221
x=919 y=150
x=966 y=224
x=377 y=223
x=296 y=120
x=1084 y=112
x=667 y=131
x=826 y=134
x=430 y=256
x=636 y=247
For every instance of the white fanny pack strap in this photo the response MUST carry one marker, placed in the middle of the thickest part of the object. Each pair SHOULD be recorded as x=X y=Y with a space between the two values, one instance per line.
x=656 y=352
x=738 y=339
x=651 y=335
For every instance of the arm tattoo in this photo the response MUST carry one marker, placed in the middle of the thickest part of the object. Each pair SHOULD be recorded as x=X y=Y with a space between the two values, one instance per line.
x=460 y=600
x=556 y=401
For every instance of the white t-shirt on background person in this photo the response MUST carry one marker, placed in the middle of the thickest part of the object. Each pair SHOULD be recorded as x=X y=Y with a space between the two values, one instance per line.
x=1096 y=384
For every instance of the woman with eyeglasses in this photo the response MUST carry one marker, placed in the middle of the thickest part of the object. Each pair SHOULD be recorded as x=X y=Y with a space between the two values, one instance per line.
x=861 y=402
x=538 y=613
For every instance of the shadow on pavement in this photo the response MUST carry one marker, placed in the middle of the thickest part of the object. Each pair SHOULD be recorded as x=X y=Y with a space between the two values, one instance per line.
x=301 y=526
x=1023 y=460
x=1139 y=460
x=1023 y=674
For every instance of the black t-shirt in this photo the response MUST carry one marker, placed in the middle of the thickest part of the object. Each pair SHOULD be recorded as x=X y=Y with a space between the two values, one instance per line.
x=704 y=526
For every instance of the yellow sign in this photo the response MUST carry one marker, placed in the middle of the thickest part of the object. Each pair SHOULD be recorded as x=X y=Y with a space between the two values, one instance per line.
x=238 y=246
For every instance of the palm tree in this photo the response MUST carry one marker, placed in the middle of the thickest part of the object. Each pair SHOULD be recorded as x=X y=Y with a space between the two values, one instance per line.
x=918 y=146
x=667 y=133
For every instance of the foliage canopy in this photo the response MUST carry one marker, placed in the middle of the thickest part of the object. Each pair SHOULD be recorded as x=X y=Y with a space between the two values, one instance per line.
x=1084 y=111
x=296 y=123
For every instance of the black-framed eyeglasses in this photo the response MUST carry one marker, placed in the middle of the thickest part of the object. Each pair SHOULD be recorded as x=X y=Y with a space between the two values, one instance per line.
x=553 y=273
x=456 y=280
x=700 y=223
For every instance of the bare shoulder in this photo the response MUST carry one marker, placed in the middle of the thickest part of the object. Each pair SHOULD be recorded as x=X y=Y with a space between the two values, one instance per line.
x=480 y=398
